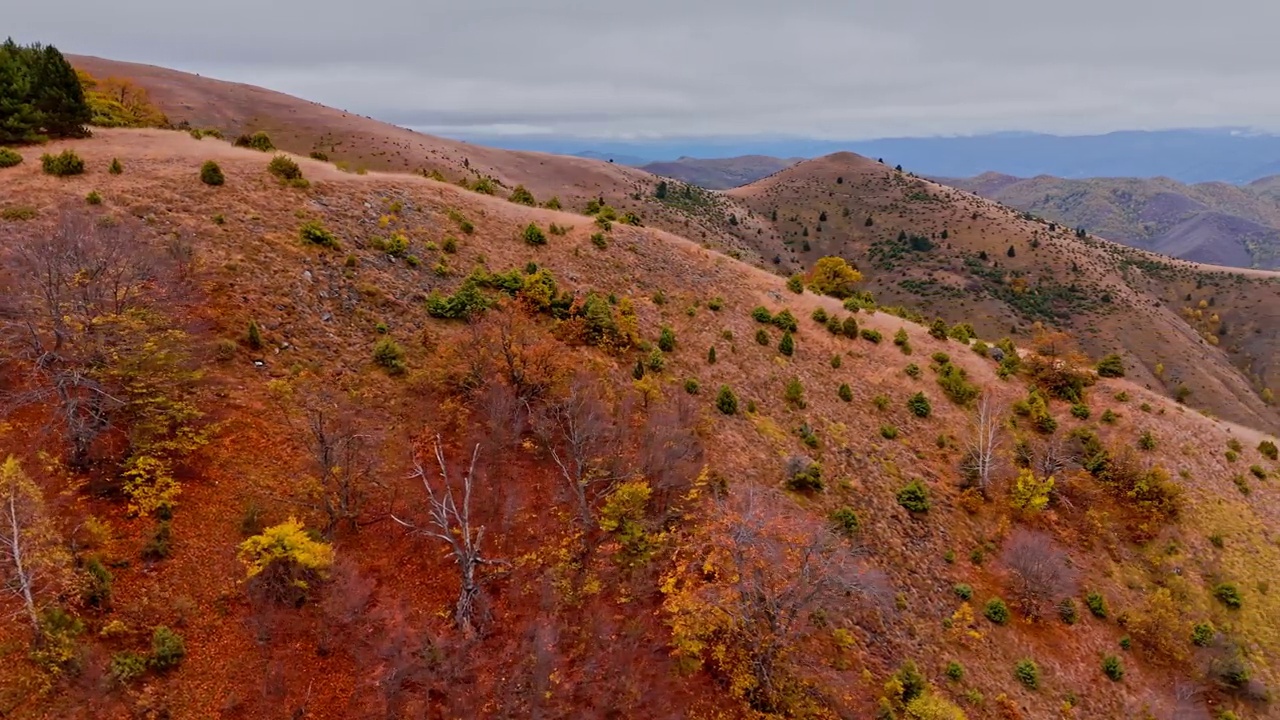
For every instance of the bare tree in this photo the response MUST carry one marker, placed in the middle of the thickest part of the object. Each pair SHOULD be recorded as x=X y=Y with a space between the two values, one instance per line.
x=64 y=297
x=342 y=458
x=670 y=451
x=1041 y=572
x=583 y=439
x=980 y=459
x=450 y=522
x=32 y=564
x=755 y=582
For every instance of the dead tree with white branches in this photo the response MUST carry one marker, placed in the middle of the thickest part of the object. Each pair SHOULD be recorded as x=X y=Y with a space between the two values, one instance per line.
x=33 y=565
x=450 y=522
x=979 y=463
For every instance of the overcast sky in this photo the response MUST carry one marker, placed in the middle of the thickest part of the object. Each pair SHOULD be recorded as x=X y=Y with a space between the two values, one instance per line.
x=837 y=69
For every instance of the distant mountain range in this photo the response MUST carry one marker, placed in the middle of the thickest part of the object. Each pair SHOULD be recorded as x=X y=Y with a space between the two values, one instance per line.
x=1222 y=154
x=1213 y=222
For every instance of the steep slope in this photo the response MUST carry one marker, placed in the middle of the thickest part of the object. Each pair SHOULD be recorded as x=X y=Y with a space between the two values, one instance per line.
x=1209 y=222
x=720 y=173
x=650 y=608
x=360 y=144
x=973 y=260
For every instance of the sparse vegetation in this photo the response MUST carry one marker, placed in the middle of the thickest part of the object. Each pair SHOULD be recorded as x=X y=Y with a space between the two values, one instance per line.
x=64 y=164
x=211 y=174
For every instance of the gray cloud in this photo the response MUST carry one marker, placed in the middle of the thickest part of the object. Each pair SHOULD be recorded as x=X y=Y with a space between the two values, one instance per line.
x=818 y=68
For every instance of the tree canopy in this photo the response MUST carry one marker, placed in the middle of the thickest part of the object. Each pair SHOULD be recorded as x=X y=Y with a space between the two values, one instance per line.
x=40 y=95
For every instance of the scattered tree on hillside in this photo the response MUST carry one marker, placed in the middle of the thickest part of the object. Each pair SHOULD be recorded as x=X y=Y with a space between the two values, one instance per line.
x=342 y=463
x=833 y=276
x=33 y=565
x=450 y=522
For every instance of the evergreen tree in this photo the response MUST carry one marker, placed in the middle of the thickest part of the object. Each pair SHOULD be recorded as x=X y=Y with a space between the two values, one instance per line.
x=59 y=98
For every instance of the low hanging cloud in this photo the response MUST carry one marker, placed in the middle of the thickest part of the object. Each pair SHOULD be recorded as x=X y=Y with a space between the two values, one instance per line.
x=813 y=68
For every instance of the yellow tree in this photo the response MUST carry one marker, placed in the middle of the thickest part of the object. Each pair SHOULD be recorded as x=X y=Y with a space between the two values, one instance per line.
x=33 y=563
x=833 y=276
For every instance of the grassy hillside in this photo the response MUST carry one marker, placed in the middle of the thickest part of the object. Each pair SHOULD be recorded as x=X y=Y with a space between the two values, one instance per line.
x=793 y=526
x=941 y=252
x=1237 y=225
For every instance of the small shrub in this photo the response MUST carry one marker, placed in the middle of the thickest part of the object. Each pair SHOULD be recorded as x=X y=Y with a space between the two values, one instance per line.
x=126 y=667
x=785 y=321
x=1096 y=604
x=521 y=196
x=1202 y=634
x=912 y=370
x=795 y=284
x=666 y=339
x=254 y=336
x=1228 y=594
x=954 y=671
x=845 y=392
x=9 y=158
x=1028 y=673
x=93 y=198
x=211 y=174
x=320 y=155
x=849 y=328
x=819 y=315
x=888 y=432
x=761 y=314
x=1230 y=455
x=962 y=591
x=726 y=401
x=1258 y=471
x=599 y=241
x=786 y=345
x=1067 y=611
x=836 y=362
x=715 y=303
x=1080 y=411
x=996 y=611
x=313 y=233
x=388 y=354
x=914 y=497
x=803 y=474
x=19 y=212
x=794 y=393
x=1147 y=441
x=881 y=402
x=283 y=167
x=1268 y=450
x=1113 y=668
x=762 y=337
x=941 y=358
x=691 y=386
x=1108 y=417
x=870 y=335
x=64 y=164
x=845 y=520
x=919 y=405
x=160 y=545
x=1111 y=366
x=259 y=141
x=167 y=648
x=533 y=235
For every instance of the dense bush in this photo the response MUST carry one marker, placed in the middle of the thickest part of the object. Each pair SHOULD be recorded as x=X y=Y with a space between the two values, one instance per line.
x=1096 y=604
x=1113 y=668
x=962 y=591
x=785 y=321
x=167 y=648
x=833 y=276
x=996 y=611
x=845 y=520
x=283 y=167
x=1202 y=634
x=533 y=235
x=762 y=337
x=786 y=345
x=1068 y=613
x=1228 y=594
x=1268 y=450
x=258 y=141
x=870 y=335
x=1028 y=673
x=726 y=401
x=1111 y=366
x=845 y=392
x=9 y=158
x=389 y=355
x=522 y=196
x=803 y=474
x=126 y=667
x=63 y=164
x=795 y=284
x=313 y=233
x=284 y=563
x=919 y=405
x=955 y=384
x=667 y=339
x=914 y=497
x=819 y=315
x=211 y=174
x=93 y=198
x=761 y=314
